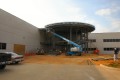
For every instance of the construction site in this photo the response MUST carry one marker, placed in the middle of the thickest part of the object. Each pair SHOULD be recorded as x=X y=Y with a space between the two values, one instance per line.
x=68 y=43
x=68 y=37
x=68 y=50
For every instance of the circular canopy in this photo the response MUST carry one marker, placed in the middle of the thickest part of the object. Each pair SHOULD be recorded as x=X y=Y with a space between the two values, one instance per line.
x=75 y=26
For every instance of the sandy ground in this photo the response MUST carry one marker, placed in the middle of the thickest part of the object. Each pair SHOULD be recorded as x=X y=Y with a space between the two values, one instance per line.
x=62 y=59
x=51 y=59
x=107 y=61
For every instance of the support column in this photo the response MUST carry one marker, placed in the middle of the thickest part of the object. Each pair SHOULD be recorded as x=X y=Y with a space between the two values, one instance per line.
x=53 y=41
x=81 y=37
x=70 y=36
x=86 y=39
x=86 y=48
x=76 y=35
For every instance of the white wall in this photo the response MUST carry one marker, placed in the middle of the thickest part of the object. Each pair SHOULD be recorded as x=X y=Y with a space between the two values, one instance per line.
x=99 y=41
x=16 y=31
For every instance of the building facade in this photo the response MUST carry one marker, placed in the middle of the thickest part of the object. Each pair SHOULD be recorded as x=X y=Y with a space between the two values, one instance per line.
x=17 y=35
x=105 y=42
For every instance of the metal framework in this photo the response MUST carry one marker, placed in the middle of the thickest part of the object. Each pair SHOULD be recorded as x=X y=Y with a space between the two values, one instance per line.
x=74 y=31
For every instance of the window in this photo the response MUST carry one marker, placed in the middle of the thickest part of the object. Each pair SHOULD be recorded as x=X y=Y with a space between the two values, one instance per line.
x=117 y=40
x=2 y=46
x=111 y=40
x=91 y=49
x=92 y=40
x=108 y=49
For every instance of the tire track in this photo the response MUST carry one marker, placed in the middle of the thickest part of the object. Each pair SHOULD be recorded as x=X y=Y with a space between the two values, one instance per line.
x=87 y=62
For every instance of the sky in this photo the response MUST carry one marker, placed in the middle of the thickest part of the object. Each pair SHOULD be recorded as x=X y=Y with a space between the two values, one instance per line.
x=103 y=14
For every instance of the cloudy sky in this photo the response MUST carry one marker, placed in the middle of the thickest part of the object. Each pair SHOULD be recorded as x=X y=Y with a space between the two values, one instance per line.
x=103 y=14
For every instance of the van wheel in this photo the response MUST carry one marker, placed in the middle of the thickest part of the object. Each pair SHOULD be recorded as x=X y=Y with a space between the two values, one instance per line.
x=16 y=62
x=2 y=66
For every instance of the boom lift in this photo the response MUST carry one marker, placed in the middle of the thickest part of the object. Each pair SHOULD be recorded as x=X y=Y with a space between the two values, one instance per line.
x=76 y=50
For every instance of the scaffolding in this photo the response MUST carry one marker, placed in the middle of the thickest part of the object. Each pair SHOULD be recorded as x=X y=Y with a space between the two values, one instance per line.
x=74 y=31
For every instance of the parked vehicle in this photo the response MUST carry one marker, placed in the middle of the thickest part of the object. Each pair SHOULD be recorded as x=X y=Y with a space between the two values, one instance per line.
x=4 y=59
x=15 y=58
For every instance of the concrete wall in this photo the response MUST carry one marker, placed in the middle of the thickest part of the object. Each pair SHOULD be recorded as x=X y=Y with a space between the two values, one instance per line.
x=16 y=31
x=100 y=44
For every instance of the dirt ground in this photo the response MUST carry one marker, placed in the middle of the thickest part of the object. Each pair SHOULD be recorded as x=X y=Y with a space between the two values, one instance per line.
x=52 y=59
x=62 y=59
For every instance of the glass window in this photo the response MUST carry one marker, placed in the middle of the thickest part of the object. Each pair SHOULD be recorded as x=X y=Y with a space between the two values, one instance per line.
x=114 y=40
x=93 y=40
x=2 y=45
x=111 y=40
x=108 y=49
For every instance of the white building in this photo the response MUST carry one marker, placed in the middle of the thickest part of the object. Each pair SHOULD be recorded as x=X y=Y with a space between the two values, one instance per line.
x=17 y=35
x=105 y=42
